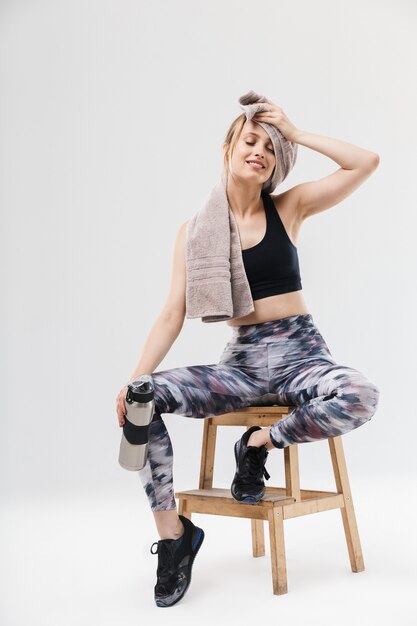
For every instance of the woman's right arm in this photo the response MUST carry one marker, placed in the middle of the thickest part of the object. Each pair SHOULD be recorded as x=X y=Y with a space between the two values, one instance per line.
x=168 y=325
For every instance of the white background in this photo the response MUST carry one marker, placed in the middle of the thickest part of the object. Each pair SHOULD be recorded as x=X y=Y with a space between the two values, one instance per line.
x=112 y=118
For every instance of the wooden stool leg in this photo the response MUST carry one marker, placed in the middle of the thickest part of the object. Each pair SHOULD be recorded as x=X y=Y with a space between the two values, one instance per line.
x=276 y=537
x=258 y=537
x=292 y=472
x=348 y=512
x=182 y=509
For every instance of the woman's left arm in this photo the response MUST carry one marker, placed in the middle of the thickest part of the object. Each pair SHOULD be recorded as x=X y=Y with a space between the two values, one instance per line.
x=347 y=155
x=356 y=165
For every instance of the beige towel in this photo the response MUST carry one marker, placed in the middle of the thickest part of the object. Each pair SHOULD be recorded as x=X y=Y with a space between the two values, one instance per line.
x=217 y=288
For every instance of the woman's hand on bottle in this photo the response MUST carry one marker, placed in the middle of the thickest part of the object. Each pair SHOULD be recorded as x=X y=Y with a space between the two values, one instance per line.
x=121 y=406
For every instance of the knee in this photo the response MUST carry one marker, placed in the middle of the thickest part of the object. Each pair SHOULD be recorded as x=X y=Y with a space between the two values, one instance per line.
x=370 y=398
x=361 y=396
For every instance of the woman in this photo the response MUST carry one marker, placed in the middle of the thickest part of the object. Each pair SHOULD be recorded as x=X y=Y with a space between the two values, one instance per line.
x=276 y=354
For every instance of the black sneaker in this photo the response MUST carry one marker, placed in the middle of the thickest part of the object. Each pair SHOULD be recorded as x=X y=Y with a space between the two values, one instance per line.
x=175 y=560
x=248 y=484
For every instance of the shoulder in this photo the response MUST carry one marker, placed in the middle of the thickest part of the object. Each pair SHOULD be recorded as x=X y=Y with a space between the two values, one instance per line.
x=182 y=231
x=181 y=235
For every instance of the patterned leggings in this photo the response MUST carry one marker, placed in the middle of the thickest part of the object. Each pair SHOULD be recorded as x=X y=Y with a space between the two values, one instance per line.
x=283 y=362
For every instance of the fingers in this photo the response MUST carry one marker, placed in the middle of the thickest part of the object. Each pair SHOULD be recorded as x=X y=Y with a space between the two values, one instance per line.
x=121 y=406
x=120 y=415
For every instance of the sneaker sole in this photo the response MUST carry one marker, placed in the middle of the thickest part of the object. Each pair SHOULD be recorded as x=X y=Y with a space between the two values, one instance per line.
x=196 y=546
x=252 y=499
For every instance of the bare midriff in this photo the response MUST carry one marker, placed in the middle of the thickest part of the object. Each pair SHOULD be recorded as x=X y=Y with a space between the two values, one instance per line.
x=273 y=308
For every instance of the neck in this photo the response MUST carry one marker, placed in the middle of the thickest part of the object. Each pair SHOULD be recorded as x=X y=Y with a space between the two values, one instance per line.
x=245 y=201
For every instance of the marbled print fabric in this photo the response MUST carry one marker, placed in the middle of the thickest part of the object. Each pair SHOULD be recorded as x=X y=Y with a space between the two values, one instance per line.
x=283 y=362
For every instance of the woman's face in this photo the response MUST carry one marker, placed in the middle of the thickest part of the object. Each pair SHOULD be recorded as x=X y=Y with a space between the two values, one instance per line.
x=254 y=144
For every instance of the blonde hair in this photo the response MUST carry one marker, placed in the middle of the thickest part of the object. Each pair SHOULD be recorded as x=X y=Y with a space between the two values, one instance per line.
x=231 y=140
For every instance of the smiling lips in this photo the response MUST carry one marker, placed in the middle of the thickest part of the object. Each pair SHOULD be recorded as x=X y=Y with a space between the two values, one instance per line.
x=256 y=164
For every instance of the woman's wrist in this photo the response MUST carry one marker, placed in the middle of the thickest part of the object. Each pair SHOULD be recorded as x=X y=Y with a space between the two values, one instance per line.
x=297 y=135
x=136 y=377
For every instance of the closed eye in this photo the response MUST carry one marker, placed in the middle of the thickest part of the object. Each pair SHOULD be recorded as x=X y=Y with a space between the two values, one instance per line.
x=252 y=144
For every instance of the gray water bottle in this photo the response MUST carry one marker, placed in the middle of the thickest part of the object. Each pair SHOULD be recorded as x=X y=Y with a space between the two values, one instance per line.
x=140 y=406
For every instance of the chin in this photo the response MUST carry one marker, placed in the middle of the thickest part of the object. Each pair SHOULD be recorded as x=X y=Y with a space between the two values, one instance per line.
x=250 y=172
x=258 y=176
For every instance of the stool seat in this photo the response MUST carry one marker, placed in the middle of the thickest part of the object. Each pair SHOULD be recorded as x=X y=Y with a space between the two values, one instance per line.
x=278 y=503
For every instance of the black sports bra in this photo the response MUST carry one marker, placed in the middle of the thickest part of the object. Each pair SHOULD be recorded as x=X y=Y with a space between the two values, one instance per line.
x=272 y=265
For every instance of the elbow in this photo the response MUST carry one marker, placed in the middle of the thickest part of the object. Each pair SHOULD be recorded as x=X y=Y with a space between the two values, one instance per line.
x=174 y=317
x=373 y=162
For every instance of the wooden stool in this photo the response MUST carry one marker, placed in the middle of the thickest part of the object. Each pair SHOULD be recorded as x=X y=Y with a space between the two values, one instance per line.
x=278 y=503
